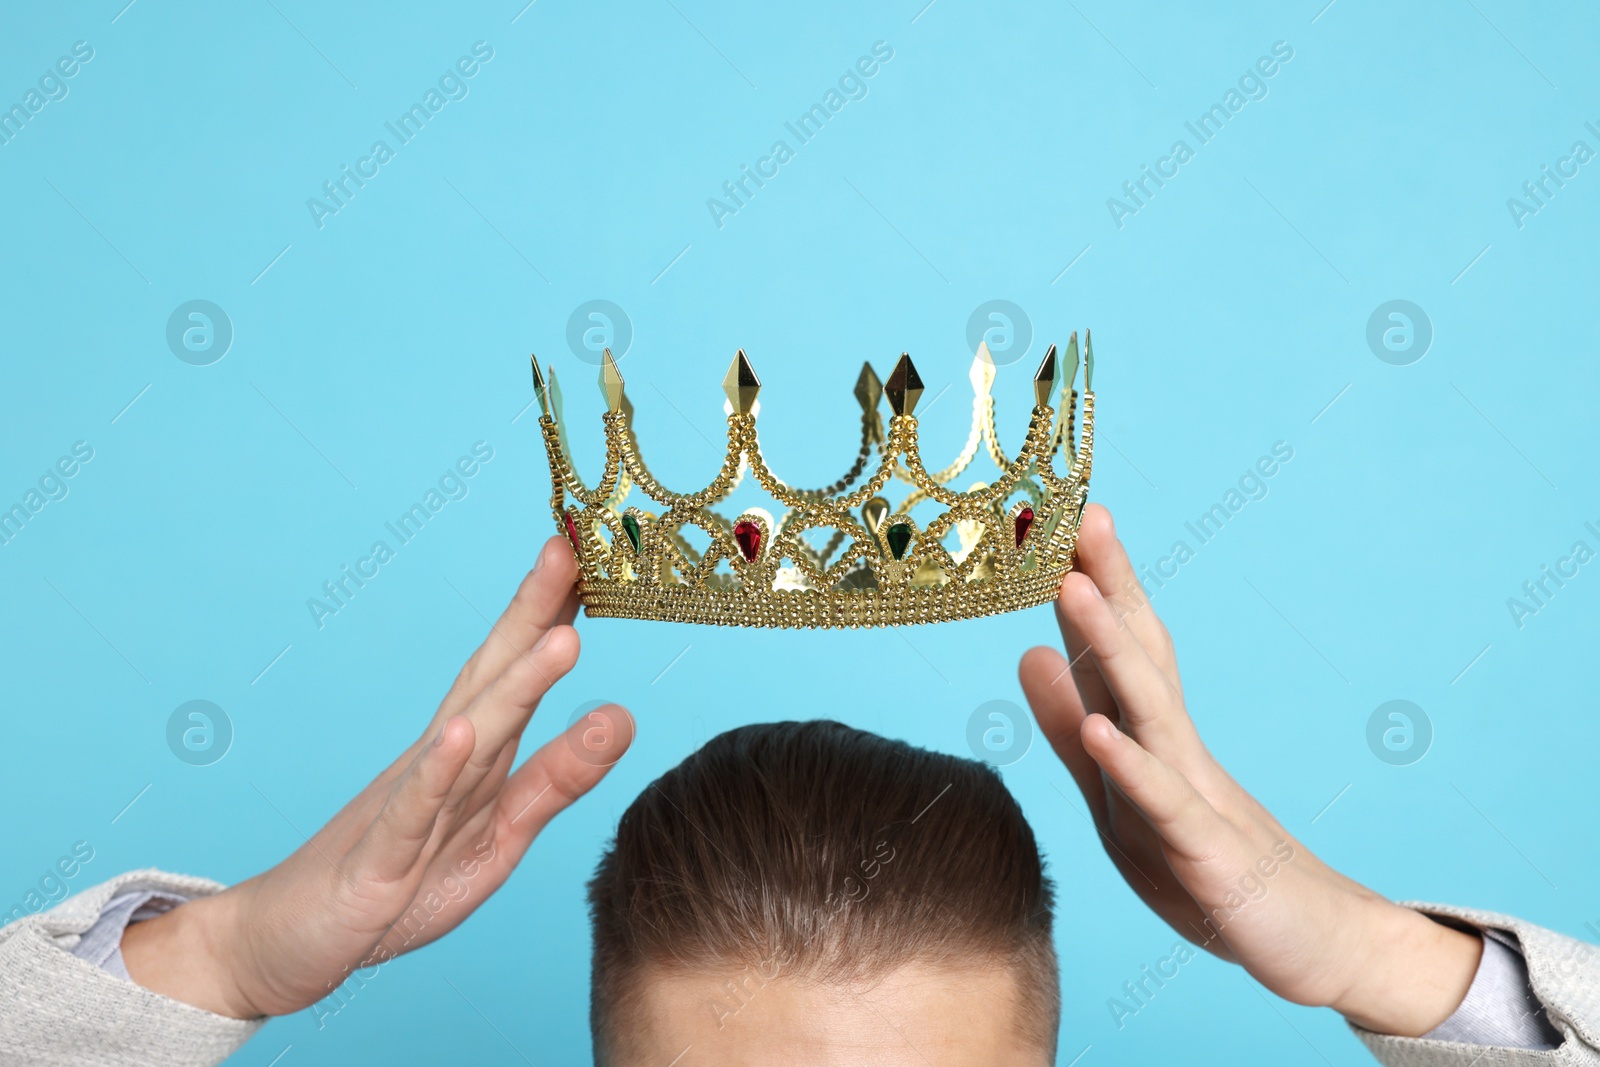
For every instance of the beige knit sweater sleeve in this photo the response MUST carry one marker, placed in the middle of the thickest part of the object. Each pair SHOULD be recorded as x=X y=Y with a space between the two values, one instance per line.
x=56 y=1009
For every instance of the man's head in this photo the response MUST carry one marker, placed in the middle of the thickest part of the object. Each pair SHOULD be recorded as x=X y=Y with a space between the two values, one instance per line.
x=811 y=893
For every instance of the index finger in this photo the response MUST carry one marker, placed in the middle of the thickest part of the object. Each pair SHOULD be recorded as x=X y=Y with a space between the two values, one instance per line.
x=545 y=599
x=1103 y=558
x=1149 y=706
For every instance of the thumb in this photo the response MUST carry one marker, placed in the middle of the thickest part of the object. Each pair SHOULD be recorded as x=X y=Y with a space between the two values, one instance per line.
x=1058 y=708
x=566 y=768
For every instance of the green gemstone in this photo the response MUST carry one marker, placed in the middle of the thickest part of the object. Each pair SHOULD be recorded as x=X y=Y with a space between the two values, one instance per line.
x=630 y=526
x=899 y=537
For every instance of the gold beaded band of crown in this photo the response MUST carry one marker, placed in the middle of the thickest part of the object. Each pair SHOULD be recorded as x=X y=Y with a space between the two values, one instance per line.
x=638 y=564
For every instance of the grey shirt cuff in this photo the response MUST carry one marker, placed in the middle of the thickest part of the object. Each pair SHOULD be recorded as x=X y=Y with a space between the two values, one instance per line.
x=1500 y=1008
x=101 y=944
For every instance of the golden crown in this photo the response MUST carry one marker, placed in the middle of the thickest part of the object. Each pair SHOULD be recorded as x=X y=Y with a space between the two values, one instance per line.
x=999 y=546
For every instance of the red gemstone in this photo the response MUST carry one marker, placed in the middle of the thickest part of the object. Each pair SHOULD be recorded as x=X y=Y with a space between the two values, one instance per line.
x=1024 y=524
x=572 y=533
x=748 y=534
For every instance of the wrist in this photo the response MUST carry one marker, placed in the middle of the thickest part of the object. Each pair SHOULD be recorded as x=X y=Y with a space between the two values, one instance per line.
x=1415 y=974
x=185 y=955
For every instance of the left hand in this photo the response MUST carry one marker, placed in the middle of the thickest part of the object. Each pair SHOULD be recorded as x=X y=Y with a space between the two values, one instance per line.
x=419 y=849
x=1198 y=849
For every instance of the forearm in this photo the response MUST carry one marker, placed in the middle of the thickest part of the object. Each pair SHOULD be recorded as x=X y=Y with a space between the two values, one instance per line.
x=181 y=955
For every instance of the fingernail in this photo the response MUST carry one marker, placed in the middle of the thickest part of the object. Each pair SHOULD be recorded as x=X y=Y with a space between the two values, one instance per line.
x=537 y=645
x=544 y=554
x=437 y=741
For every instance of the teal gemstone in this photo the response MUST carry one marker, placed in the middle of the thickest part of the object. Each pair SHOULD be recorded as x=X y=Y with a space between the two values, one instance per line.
x=630 y=526
x=899 y=537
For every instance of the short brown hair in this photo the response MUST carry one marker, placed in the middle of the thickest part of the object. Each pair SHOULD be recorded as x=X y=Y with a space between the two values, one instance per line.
x=821 y=851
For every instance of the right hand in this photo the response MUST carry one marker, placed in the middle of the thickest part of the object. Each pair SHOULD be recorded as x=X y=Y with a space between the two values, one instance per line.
x=1202 y=852
x=418 y=850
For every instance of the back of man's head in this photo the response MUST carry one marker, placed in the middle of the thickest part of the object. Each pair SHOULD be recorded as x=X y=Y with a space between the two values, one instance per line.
x=810 y=856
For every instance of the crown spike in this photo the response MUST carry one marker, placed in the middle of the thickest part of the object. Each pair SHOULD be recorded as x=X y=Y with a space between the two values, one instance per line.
x=869 y=390
x=539 y=389
x=1088 y=362
x=904 y=387
x=741 y=384
x=611 y=383
x=553 y=393
x=1044 y=381
x=1071 y=360
x=982 y=373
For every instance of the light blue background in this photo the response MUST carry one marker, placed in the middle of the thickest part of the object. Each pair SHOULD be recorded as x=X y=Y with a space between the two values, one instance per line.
x=1228 y=313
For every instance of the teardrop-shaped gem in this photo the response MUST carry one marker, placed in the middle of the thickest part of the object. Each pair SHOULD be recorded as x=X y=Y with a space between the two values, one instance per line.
x=1024 y=524
x=572 y=533
x=748 y=534
x=630 y=526
x=899 y=538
